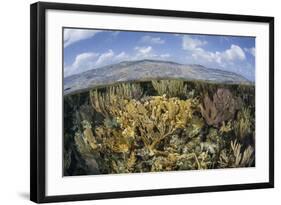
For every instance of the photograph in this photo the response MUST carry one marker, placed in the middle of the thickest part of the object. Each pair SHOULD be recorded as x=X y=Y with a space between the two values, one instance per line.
x=134 y=102
x=145 y=101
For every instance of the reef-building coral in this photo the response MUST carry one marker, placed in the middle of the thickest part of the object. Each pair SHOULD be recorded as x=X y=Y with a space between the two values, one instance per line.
x=170 y=88
x=163 y=125
x=220 y=109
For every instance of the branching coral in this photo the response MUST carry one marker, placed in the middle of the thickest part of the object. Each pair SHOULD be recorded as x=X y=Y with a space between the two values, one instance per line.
x=242 y=159
x=243 y=125
x=119 y=130
x=100 y=102
x=235 y=157
x=221 y=108
x=127 y=90
x=149 y=121
x=113 y=139
x=103 y=102
x=156 y=118
x=225 y=128
x=170 y=88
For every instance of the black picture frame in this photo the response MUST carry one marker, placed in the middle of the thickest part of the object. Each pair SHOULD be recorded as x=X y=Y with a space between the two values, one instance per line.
x=38 y=101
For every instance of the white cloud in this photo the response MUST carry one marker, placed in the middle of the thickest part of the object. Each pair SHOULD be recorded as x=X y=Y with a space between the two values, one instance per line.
x=201 y=54
x=122 y=56
x=152 y=40
x=74 y=35
x=189 y=43
x=89 y=60
x=110 y=57
x=234 y=53
x=148 y=53
x=105 y=57
x=82 y=58
x=231 y=59
x=195 y=49
x=82 y=62
x=143 y=52
x=252 y=51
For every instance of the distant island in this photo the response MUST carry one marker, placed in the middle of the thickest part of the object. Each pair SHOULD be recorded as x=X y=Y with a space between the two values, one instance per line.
x=146 y=70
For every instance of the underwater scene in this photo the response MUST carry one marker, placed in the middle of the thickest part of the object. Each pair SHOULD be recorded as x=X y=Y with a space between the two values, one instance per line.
x=142 y=109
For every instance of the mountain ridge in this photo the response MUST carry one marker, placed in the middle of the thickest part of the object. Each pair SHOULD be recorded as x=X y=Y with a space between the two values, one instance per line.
x=147 y=69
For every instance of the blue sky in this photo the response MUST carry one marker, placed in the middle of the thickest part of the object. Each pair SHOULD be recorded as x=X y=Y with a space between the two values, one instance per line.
x=86 y=49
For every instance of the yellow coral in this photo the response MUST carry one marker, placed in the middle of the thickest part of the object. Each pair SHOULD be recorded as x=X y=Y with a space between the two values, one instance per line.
x=135 y=131
x=243 y=125
x=109 y=102
x=171 y=88
x=113 y=139
x=88 y=134
x=128 y=132
x=226 y=127
x=156 y=118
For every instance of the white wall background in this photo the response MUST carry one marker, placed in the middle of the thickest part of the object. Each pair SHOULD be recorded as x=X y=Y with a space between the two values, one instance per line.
x=14 y=101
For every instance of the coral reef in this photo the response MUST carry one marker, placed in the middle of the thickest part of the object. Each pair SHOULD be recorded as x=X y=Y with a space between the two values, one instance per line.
x=156 y=126
x=170 y=88
x=220 y=109
x=103 y=102
x=235 y=157
x=243 y=125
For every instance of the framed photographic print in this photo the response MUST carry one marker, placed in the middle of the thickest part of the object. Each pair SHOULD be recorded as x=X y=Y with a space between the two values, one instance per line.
x=129 y=102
